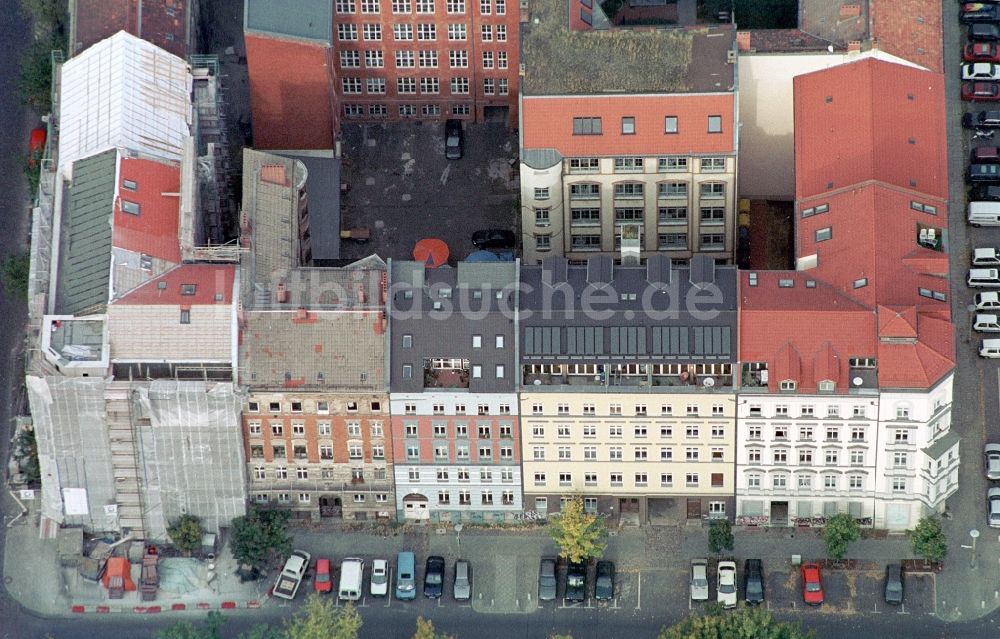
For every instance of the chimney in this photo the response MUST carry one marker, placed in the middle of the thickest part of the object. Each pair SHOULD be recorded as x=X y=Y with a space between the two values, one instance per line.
x=282 y=293
x=848 y=11
x=301 y=313
x=743 y=40
x=854 y=46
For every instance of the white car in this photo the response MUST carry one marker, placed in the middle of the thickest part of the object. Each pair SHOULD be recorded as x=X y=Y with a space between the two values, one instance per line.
x=981 y=71
x=988 y=301
x=726 y=587
x=993 y=507
x=379 y=586
x=699 y=579
x=992 y=453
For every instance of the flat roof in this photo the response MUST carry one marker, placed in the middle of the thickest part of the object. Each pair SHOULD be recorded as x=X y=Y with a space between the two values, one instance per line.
x=560 y=61
x=303 y=19
x=323 y=187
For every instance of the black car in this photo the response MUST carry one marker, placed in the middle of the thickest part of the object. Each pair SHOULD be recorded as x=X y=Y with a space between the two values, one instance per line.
x=547 y=579
x=453 y=139
x=753 y=581
x=985 y=193
x=981 y=120
x=494 y=239
x=434 y=577
x=984 y=32
x=604 y=584
x=978 y=12
x=894 y=584
x=979 y=173
x=576 y=582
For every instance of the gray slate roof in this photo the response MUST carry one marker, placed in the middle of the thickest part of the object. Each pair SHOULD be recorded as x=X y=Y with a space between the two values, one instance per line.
x=302 y=19
x=84 y=274
x=323 y=187
x=602 y=312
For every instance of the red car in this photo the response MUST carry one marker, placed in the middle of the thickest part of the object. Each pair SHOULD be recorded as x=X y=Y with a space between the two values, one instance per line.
x=981 y=91
x=981 y=52
x=36 y=145
x=324 y=580
x=812 y=584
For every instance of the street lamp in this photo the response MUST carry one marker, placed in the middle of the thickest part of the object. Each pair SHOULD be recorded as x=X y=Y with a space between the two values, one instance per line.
x=975 y=535
x=458 y=534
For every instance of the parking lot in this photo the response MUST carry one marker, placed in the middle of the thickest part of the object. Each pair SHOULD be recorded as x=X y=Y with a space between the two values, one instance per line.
x=401 y=187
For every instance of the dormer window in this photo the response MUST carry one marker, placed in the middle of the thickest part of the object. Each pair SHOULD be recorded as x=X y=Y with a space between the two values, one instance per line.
x=188 y=289
x=826 y=386
x=787 y=385
x=445 y=292
x=130 y=207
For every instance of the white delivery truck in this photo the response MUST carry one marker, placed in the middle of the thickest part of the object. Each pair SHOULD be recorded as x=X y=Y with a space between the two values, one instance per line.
x=351 y=579
x=292 y=574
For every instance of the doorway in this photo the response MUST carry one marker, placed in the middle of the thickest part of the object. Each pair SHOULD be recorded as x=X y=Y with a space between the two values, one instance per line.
x=779 y=513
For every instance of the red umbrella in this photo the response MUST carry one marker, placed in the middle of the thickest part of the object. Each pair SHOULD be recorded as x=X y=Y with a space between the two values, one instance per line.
x=431 y=251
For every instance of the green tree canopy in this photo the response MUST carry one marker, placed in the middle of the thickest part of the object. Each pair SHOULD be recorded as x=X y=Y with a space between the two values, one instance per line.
x=748 y=623
x=580 y=535
x=187 y=630
x=259 y=536
x=929 y=541
x=840 y=531
x=186 y=533
x=720 y=536
x=425 y=630
x=320 y=619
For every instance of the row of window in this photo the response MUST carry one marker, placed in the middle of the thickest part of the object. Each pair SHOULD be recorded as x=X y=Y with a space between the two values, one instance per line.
x=322 y=407
x=323 y=429
x=425 y=32
x=781 y=432
x=626 y=190
x=805 y=481
x=355 y=451
x=465 y=498
x=671 y=125
x=640 y=480
x=306 y=498
x=832 y=410
x=441 y=452
x=581 y=217
x=639 y=410
x=423 y=7
x=408 y=86
x=463 y=474
x=410 y=408
x=664 y=242
x=499 y=371
x=677 y=164
x=831 y=457
x=483 y=431
x=639 y=454
x=640 y=431
x=261 y=473
x=405 y=110
x=428 y=59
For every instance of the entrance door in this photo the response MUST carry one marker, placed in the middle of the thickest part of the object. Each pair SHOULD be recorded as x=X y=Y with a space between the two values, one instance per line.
x=330 y=507
x=496 y=114
x=693 y=508
x=779 y=513
x=415 y=507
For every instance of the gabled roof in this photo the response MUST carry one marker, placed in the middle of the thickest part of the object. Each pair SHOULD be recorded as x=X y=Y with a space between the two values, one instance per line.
x=186 y=285
x=155 y=188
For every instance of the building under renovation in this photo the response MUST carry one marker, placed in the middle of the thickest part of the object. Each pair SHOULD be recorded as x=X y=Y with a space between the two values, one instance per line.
x=133 y=339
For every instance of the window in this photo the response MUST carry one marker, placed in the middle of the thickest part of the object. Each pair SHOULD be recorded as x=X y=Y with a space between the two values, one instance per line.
x=347 y=31
x=713 y=214
x=668 y=241
x=459 y=86
x=351 y=85
x=628 y=189
x=584 y=165
x=345 y=6
x=485 y=453
x=584 y=191
x=460 y=109
x=298 y=429
x=805 y=457
x=857 y=458
x=753 y=481
x=405 y=60
x=403 y=85
x=718 y=454
x=831 y=457
x=780 y=456
x=691 y=480
x=787 y=385
x=402 y=32
x=614 y=431
x=753 y=432
x=426 y=32
x=640 y=453
x=615 y=453
x=824 y=234
x=486 y=31
x=861 y=283
x=616 y=479
x=185 y=317
x=641 y=480
x=855 y=482
x=672 y=189
x=586 y=126
x=858 y=434
x=805 y=481
x=372 y=31
x=425 y=6
x=670 y=214
x=501 y=33
x=715 y=124
x=628 y=165
x=900 y=460
x=484 y=7
x=501 y=7
x=901 y=436
x=498 y=341
x=898 y=484
x=670 y=124
x=753 y=455
x=477 y=372
x=691 y=430
x=354 y=451
x=902 y=412
x=401 y=6
x=458 y=59
x=672 y=164
x=590 y=430
x=369 y=6
x=488 y=86
x=350 y=59
x=779 y=481
x=713 y=165
x=628 y=126
x=500 y=371
x=712 y=190
x=691 y=454
x=429 y=86
x=565 y=479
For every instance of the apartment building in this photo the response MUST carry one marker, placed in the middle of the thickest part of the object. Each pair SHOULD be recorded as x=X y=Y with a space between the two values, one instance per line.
x=633 y=153
x=847 y=408
x=627 y=389
x=171 y=25
x=455 y=431
x=311 y=358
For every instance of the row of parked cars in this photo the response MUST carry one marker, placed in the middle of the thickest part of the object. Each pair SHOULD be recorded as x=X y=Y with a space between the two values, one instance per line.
x=352 y=572
x=753 y=582
x=980 y=57
x=577 y=584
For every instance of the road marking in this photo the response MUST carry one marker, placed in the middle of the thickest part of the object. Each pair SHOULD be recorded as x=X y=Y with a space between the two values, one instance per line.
x=638 y=603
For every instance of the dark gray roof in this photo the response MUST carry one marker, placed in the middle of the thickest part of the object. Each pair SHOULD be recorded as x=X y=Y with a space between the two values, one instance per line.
x=653 y=313
x=85 y=248
x=303 y=19
x=323 y=187
x=436 y=312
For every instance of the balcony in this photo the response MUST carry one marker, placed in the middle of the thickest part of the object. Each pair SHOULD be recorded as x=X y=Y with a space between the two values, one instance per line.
x=446 y=373
x=612 y=379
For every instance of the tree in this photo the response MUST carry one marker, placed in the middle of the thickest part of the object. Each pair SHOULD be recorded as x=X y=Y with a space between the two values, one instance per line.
x=186 y=533
x=929 y=541
x=14 y=272
x=748 y=623
x=262 y=632
x=187 y=630
x=840 y=531
x=260 y=535
x=320 y=619
x=579 y=534
x=425 y=630
x=26 y=450
x=720 y=536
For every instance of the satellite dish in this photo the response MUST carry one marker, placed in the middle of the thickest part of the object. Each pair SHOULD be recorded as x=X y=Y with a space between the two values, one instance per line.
x=708 y=383
x=857 y=381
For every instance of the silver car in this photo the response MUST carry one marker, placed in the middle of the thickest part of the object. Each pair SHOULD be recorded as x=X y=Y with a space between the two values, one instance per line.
x=547 y=579
x=463 y=581
x=992 y=453
x=726 y=586
x=993 y=507
x=699 y=579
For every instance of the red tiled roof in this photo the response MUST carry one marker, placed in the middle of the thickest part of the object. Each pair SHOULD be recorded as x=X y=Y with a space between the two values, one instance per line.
x=910 y=29
x=787 y=363
x=826 y=364
x=291 y=93
x=547 y=123
x=213 y=285
x=164 y=22
x=897 y=322
x=869 y=120
x=154 y=230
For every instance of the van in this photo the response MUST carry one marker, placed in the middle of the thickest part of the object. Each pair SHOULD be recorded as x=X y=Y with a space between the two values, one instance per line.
x=988 y=301
x=983 y=277
x=985 y=257
x=982 y=173
x=990 y=348
x=984 y=213
x=985 y=323
x=406 y=578
x=351 y=579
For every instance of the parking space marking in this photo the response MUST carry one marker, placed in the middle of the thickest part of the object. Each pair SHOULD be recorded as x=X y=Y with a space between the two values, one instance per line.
x=388 y=593
x=638 y=602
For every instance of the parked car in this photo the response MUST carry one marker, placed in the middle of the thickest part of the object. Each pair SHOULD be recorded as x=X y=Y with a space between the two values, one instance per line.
x=986 y=323
x=972 y=12
x=604 y=583
x=894 y=584
x=981 y=52
x=494 y=239
x=322 y=582
x=982 y=120
x=975 y=91
x=984 y=32
x=753 y=581
x=725 y=588
x=454 y=141
x=576 y=581
x=434 y=577
x=547 y=579
x=985 y=155
x=993 y=507
x=978 y=173
x=980 y=71
x=992 y=454
x=812 y=584
x=699 y=579
x=988 y=301
x=985 y=193
x=36 y=145
x=462 y=590
x=379 y=584
x=406 y=576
